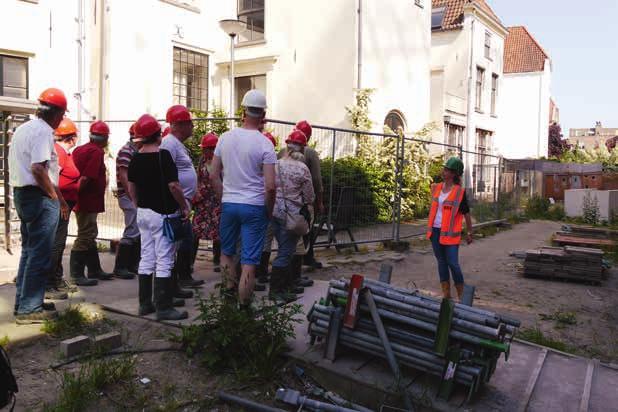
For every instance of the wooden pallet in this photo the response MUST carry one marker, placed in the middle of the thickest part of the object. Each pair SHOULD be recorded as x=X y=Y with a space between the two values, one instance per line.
x=561 y=239
x=568 y=263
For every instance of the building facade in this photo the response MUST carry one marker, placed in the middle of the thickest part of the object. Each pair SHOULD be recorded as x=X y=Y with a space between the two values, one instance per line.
x=526 y=97
x=467 y=46
x=593 y=137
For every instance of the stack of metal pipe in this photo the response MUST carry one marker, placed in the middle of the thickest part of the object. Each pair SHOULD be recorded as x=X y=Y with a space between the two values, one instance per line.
x=411 y=323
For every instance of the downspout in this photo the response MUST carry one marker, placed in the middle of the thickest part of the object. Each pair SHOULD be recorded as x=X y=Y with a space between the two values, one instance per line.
x=538 y=128
x=102 y=59
x=359 y=42
x=470 y=133
x=80 y=58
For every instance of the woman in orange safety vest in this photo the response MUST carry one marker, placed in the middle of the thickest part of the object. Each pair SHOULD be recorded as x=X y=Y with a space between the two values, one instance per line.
x=449 y=207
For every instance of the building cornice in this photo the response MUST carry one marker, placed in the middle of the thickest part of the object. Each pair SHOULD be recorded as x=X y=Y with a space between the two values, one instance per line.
x=471 y=9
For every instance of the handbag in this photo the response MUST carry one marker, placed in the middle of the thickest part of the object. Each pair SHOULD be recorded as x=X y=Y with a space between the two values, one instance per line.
x=175 y=228
x=295 y=223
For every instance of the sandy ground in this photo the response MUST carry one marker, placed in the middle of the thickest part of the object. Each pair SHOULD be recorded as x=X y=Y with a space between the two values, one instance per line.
x=501 y=287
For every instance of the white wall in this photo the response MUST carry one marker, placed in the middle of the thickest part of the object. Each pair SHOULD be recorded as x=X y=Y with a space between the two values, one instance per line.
x=607 y=201
x=524 y=127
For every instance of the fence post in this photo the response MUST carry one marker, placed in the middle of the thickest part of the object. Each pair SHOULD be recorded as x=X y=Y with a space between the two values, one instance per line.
x=4 y=132
x=499 y=182
x=329 y=221
x=397 y=167
x=399 y=187
x=460 y=150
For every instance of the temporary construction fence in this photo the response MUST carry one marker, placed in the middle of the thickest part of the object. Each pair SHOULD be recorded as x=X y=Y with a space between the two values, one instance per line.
x=376 y=186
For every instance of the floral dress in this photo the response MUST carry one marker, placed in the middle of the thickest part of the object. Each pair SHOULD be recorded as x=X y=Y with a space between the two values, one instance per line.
x=206 y=206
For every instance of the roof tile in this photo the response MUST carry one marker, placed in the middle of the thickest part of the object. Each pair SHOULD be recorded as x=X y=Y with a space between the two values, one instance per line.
x=522 y=53
x=454 y=9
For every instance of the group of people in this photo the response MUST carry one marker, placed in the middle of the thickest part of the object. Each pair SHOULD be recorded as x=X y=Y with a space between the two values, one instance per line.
x=242 y=195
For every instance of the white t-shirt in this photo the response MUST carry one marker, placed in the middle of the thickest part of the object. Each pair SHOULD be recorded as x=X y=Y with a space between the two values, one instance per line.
x=186 y=172
x=243 y=152
x=32 y=142
x=437 y=222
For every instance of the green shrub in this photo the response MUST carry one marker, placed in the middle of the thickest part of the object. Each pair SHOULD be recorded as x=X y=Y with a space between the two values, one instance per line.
x=556 y=212
x=591 y=213
x=202 y=127
x=537 y=207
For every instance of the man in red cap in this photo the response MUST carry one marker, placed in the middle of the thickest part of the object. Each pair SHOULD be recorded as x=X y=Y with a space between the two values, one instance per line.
x=127 y=255
x=181 y=128
x=33 y=174
x=90 y=161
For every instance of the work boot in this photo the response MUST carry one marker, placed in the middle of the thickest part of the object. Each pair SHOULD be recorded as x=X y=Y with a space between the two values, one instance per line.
x=53 y=293
x=309 y=260
x=459 y=287
x=164 y=300
x=295 y=271
x=183 y=264
x=177 y=290
x=259 y=287
x=65 y=286
x=121 y=265
x=446 y=289
x=77 y=265
x=94 y=266
x=178 y=303
x=261 y=272
x=216 y=255
x=145 y=295
x=135 y=256
x=278 y=292
x=35 y=317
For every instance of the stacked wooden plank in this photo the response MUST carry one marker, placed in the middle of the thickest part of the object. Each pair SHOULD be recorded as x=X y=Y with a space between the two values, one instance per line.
x=569 y=262
x=581 y=239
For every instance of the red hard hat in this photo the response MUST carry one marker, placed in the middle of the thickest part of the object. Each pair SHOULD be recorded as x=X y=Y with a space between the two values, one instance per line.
x=304 y=127
x=99 y=128
x=209 y=140
x=270 y=137
x=297 y=137
x=166 y=131
x=177 y=113
x=66 y=128
x=146 y=126
x=132 y=130
x=54 y=97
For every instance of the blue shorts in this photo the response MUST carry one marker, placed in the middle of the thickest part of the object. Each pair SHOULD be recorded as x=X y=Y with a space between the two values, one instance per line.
x=247 y=222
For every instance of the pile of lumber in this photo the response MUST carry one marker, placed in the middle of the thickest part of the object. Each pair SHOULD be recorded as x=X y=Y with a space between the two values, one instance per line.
x=586 y=236
x=569 y=262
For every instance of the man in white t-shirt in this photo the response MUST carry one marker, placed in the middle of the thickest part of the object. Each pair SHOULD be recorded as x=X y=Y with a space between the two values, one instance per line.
x=247 y=162
x=33 y=175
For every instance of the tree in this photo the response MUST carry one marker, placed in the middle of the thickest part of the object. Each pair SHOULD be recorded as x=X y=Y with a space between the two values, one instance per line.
x=557 y=146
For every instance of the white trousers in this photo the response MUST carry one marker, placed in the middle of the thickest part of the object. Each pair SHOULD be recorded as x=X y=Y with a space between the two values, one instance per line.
x=157 y=251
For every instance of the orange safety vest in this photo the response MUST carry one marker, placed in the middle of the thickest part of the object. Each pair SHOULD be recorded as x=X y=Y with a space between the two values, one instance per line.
x=452 y=220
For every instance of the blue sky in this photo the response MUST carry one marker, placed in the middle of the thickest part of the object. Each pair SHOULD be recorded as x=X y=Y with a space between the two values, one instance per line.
x=582 y=40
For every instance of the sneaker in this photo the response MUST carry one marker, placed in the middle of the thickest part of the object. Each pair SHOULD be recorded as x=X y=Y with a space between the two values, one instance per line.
x=55 y=294
x=259 y=287
x=35 y=317
x=66 y=287
x=84 y=281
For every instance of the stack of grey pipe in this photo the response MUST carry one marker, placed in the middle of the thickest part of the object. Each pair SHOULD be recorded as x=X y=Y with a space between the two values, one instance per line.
x=411 y=324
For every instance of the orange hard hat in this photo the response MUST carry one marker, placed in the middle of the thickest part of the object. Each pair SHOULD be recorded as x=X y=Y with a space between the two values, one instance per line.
x=270 y=137
x=54 y=97
x=177 y=113
x=297 y=137
x=66 y=128
x=99 y=128
x=146 y=126
x=166 y=131
x=132 y=130
x=304 y=127
x=209 y=140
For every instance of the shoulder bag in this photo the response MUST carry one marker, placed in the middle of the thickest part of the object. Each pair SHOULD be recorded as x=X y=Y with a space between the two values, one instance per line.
x=295 y=223
x=175 y=228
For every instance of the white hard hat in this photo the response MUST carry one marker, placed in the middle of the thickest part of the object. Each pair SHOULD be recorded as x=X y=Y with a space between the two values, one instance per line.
x=254 y=99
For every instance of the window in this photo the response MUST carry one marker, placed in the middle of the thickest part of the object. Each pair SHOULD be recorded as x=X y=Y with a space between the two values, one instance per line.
x=252 y=13
x=480 y=83
x=191 y=79
x=437 y=18
x=454 y=134
x=488 y=45
x=395 y=121
x=14 y=77
x=243 y=84
x=494 y=93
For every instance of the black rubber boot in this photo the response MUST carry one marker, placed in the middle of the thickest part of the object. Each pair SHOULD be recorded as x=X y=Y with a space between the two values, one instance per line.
x=297 y=270
x=294 y=271
x=309 y=259
x=183 y=264
x=164 y=300
x=135 y=256
x=146 y=306
x=121 y=266
x=216 y=255
x=261 y=273
x=178 y=291
x=77 y=266
x=278 y=291
x=94 y=266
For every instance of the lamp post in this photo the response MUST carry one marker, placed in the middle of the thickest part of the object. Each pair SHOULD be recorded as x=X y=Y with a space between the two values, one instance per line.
x=232 y=27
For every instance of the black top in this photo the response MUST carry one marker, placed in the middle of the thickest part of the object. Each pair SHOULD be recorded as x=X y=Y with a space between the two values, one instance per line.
x=152 y=189
x=464 y=208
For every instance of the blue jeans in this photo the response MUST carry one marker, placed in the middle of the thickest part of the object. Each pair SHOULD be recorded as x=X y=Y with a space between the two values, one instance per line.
x=39 y=218
x=447 y=257
x=286 y=243
x=247 y=223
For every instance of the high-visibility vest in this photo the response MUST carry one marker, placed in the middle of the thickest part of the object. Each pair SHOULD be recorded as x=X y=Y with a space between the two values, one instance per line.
x=452 y=220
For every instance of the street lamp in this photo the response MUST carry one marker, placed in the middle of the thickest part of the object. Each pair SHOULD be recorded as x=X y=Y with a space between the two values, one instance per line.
x=232 y=27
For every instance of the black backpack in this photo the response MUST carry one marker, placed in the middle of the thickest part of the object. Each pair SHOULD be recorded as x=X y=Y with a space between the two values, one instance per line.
x=8 y=385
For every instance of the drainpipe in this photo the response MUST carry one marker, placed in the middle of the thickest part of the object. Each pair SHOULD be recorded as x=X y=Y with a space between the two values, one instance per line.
x=470 y=132
x=80 y=58
x=539 y=122
x=359 y=42
x=102 y=59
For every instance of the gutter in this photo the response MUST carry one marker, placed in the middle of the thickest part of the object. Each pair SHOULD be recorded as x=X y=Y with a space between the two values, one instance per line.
x=359 y=44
